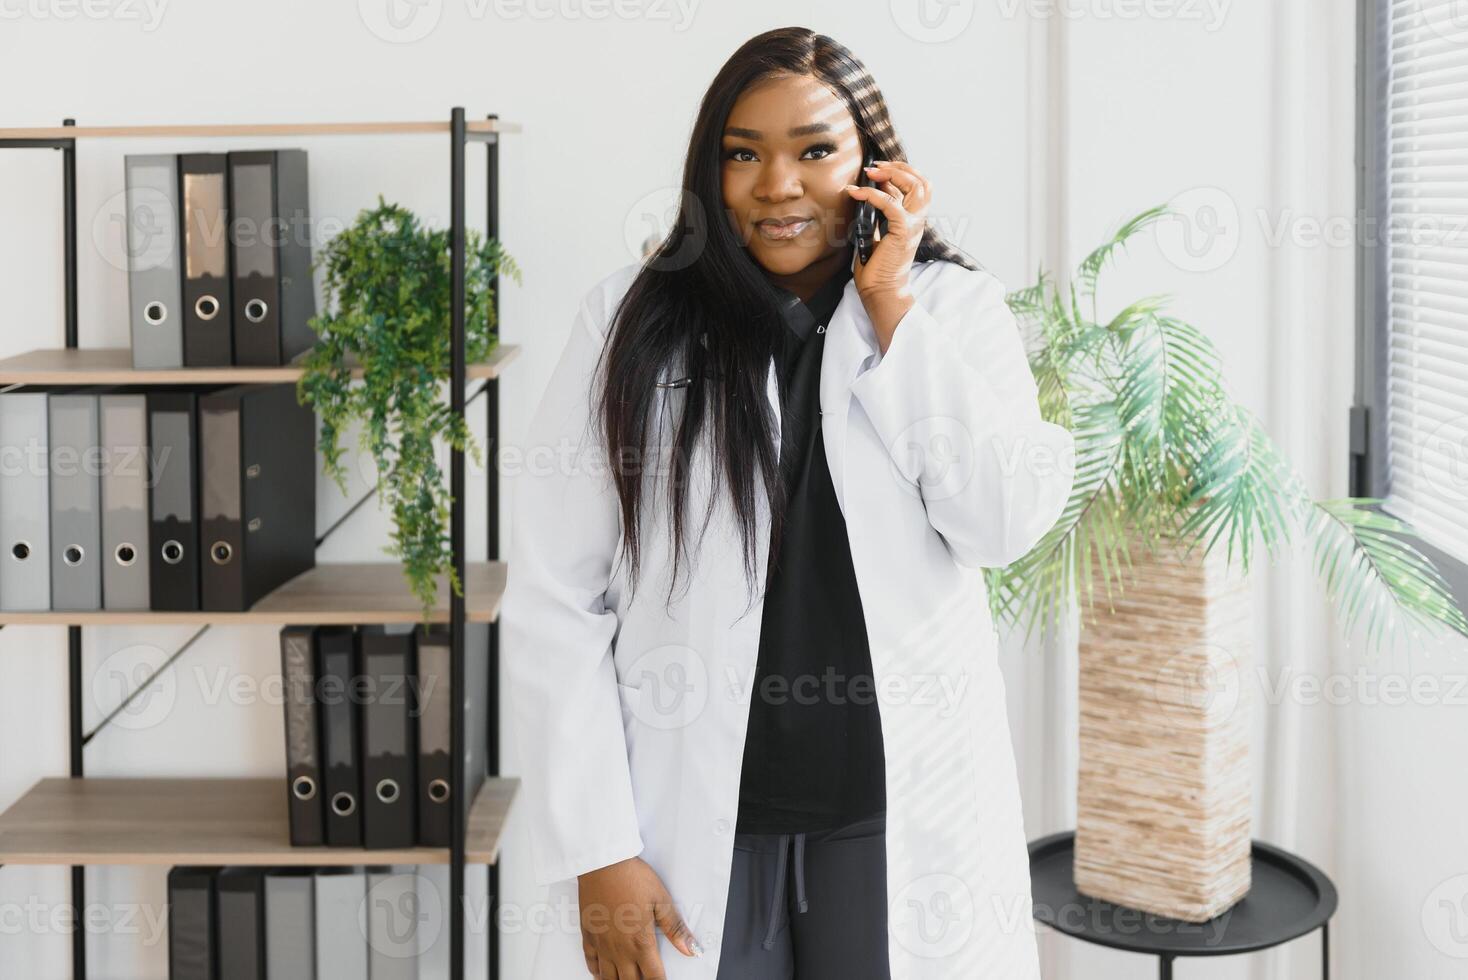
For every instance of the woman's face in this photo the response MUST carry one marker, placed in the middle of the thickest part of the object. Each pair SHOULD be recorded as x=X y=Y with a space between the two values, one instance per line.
x=790 y=147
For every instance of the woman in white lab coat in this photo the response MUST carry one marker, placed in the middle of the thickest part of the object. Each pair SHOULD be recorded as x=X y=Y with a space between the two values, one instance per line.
x=650 y=500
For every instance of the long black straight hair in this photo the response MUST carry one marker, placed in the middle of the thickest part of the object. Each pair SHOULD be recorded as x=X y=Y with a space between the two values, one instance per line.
x=701 y=297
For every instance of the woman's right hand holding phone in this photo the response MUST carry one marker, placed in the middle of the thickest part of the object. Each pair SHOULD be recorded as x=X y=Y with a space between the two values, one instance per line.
x=622 y=907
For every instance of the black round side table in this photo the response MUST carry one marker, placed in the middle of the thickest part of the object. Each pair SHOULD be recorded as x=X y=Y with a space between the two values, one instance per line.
x=1288 y=897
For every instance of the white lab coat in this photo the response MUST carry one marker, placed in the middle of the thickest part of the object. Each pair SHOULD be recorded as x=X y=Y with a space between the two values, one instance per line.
x=631 y=715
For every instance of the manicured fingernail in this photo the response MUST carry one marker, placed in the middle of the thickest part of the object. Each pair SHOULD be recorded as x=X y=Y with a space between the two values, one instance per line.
x=697 y=949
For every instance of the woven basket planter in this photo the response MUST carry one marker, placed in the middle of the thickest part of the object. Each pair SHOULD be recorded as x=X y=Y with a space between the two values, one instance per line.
x=1163 y=797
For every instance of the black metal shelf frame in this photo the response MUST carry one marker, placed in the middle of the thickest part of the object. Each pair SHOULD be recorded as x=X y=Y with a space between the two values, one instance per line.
x=459 y=139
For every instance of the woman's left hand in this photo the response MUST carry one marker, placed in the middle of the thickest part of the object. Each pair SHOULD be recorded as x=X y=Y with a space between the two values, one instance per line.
x=903 y=195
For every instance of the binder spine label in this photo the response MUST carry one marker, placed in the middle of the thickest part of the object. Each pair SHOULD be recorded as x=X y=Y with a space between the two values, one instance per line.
x=303 y=760
x=255 y=237
x=222 y=560
x=203 y=185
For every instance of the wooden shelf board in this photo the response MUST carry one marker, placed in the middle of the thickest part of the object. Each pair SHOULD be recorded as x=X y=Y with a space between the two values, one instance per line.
x=338 y=593
x=203 y=821
x=113 y=365
x=254 y=129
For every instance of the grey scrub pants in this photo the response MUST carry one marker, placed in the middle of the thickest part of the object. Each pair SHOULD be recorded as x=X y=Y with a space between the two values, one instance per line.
x=832 y=925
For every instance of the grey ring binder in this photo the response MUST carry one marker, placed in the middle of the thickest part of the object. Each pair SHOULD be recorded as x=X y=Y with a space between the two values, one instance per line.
x=76 y=467
x=123 y=443
x=25 y=507
x=154 y=260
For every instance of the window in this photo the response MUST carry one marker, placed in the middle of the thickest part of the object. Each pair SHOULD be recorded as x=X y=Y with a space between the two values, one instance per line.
x=1409 y=430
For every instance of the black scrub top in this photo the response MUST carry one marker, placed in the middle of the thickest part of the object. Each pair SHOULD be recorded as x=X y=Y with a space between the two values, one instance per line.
x=813 y=756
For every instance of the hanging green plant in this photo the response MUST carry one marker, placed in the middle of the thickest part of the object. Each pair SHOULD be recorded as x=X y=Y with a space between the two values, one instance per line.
x=388 y=310
x=1162 y=448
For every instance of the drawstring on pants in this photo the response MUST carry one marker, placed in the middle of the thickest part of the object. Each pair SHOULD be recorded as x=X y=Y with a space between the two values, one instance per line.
x=800 y=901
x=779 y=895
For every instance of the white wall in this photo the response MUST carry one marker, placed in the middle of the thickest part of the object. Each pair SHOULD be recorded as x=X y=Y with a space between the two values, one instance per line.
x=1041 y=125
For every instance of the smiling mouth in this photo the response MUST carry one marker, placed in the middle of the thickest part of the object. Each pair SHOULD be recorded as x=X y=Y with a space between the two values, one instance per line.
x=780 y=231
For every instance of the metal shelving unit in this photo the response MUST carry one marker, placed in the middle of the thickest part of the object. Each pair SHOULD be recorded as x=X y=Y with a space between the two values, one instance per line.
x=50 y=824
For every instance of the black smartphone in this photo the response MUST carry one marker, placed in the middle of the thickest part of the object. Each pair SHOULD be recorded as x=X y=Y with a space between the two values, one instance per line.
x=869 y=222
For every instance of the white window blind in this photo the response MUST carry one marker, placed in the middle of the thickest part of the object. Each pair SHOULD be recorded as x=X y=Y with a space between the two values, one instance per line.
x=1426 y=118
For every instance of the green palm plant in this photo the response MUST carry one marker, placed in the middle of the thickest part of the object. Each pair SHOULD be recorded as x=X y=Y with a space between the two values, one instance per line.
x=1163 y=451
x=389 y=279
